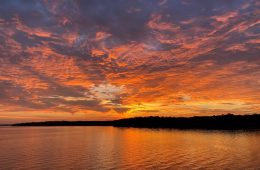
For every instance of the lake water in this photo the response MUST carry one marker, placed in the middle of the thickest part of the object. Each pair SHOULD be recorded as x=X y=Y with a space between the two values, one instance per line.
x=126 y=148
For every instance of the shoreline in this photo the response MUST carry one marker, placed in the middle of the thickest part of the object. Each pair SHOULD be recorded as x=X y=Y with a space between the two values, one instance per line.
x=221 y=122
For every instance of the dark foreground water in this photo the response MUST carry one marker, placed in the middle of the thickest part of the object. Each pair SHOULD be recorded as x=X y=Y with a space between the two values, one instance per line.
x=126 y=148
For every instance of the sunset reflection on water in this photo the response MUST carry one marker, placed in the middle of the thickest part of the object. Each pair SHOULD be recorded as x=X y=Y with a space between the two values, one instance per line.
x=126 y=148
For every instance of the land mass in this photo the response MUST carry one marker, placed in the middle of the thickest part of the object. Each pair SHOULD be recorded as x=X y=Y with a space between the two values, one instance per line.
x=225 y=122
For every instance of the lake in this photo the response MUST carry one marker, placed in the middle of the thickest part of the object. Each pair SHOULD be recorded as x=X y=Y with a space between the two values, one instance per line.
x=97 y=147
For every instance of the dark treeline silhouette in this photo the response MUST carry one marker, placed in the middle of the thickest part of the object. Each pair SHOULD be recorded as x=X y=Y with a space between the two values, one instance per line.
x=228 y=122
x=67 y=123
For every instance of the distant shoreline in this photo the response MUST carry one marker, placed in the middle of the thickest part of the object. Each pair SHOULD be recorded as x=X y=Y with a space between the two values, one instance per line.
x=221 y=122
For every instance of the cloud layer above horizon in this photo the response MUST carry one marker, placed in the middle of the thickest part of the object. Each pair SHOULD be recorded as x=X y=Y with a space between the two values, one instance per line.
x=108 y=59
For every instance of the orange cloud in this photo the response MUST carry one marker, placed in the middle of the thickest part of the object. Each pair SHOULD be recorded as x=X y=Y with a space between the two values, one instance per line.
x=73 y=64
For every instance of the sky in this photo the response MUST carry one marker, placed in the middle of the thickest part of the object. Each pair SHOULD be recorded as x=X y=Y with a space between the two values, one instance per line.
x=112 y=59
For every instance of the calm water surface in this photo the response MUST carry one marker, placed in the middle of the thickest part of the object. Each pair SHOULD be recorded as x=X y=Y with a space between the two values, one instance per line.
x=126 y=148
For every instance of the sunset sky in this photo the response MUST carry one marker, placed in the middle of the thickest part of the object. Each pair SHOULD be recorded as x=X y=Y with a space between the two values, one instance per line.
x=111 y=59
